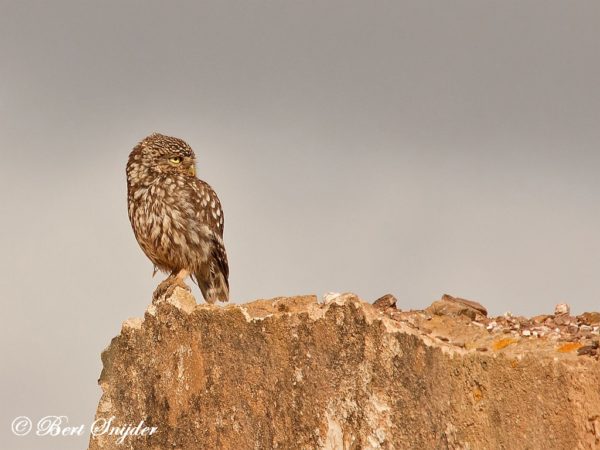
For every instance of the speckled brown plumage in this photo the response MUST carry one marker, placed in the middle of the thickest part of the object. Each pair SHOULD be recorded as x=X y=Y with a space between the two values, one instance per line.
x=176 y=218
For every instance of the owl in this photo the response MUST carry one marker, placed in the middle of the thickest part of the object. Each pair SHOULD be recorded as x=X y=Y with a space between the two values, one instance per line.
x=176 y=218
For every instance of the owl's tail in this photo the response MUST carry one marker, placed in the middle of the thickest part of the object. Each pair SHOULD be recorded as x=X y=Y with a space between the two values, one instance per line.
x=216 y=290
x=214 y=280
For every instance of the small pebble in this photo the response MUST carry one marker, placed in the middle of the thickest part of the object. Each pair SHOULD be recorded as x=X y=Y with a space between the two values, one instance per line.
x=586 y=350
x=387 y=301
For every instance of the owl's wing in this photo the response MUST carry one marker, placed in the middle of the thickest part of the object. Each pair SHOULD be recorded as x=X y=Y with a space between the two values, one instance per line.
x=219 y=257
x=208 y=207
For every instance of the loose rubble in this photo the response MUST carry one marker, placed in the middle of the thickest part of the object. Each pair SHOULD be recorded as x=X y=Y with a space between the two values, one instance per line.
x=581 y=333
x=387 y=301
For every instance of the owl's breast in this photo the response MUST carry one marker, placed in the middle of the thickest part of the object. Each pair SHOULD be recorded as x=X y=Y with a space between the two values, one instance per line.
x=165 y=225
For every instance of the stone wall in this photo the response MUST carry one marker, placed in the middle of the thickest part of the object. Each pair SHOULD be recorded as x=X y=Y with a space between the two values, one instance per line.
x=293 y=373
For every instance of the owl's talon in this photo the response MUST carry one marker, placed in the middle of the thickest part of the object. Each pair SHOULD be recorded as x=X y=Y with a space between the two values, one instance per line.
x=162 y=288
x=167 y=287
x=177 y=282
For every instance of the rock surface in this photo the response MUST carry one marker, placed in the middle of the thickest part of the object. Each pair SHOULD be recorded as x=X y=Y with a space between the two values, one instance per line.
x=293 y=373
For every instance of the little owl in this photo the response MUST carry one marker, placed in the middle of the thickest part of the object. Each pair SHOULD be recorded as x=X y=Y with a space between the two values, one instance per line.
x=177 y=218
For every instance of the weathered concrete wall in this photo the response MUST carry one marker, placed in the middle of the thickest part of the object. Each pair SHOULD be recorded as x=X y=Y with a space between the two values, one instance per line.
x=291 y=373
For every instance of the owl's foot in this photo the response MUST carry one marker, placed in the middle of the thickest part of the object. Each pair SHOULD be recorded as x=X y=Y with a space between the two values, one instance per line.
x=167 y=287
x=175 y=284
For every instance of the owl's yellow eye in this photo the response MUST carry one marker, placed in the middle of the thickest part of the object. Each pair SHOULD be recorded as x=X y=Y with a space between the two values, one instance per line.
x=175 y=160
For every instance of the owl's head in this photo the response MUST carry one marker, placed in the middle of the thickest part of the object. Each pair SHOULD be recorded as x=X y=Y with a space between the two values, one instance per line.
x=158 y=154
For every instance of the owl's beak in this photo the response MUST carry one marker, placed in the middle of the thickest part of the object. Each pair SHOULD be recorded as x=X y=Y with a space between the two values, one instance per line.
x=192 y=170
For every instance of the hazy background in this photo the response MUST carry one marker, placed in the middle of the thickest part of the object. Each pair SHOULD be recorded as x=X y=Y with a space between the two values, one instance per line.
x=411 y=147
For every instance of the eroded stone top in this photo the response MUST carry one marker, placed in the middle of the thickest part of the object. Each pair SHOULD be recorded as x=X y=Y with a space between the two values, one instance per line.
x=452 y=323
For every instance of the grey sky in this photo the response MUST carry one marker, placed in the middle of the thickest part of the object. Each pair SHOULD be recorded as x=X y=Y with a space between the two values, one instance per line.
x=411 y=147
